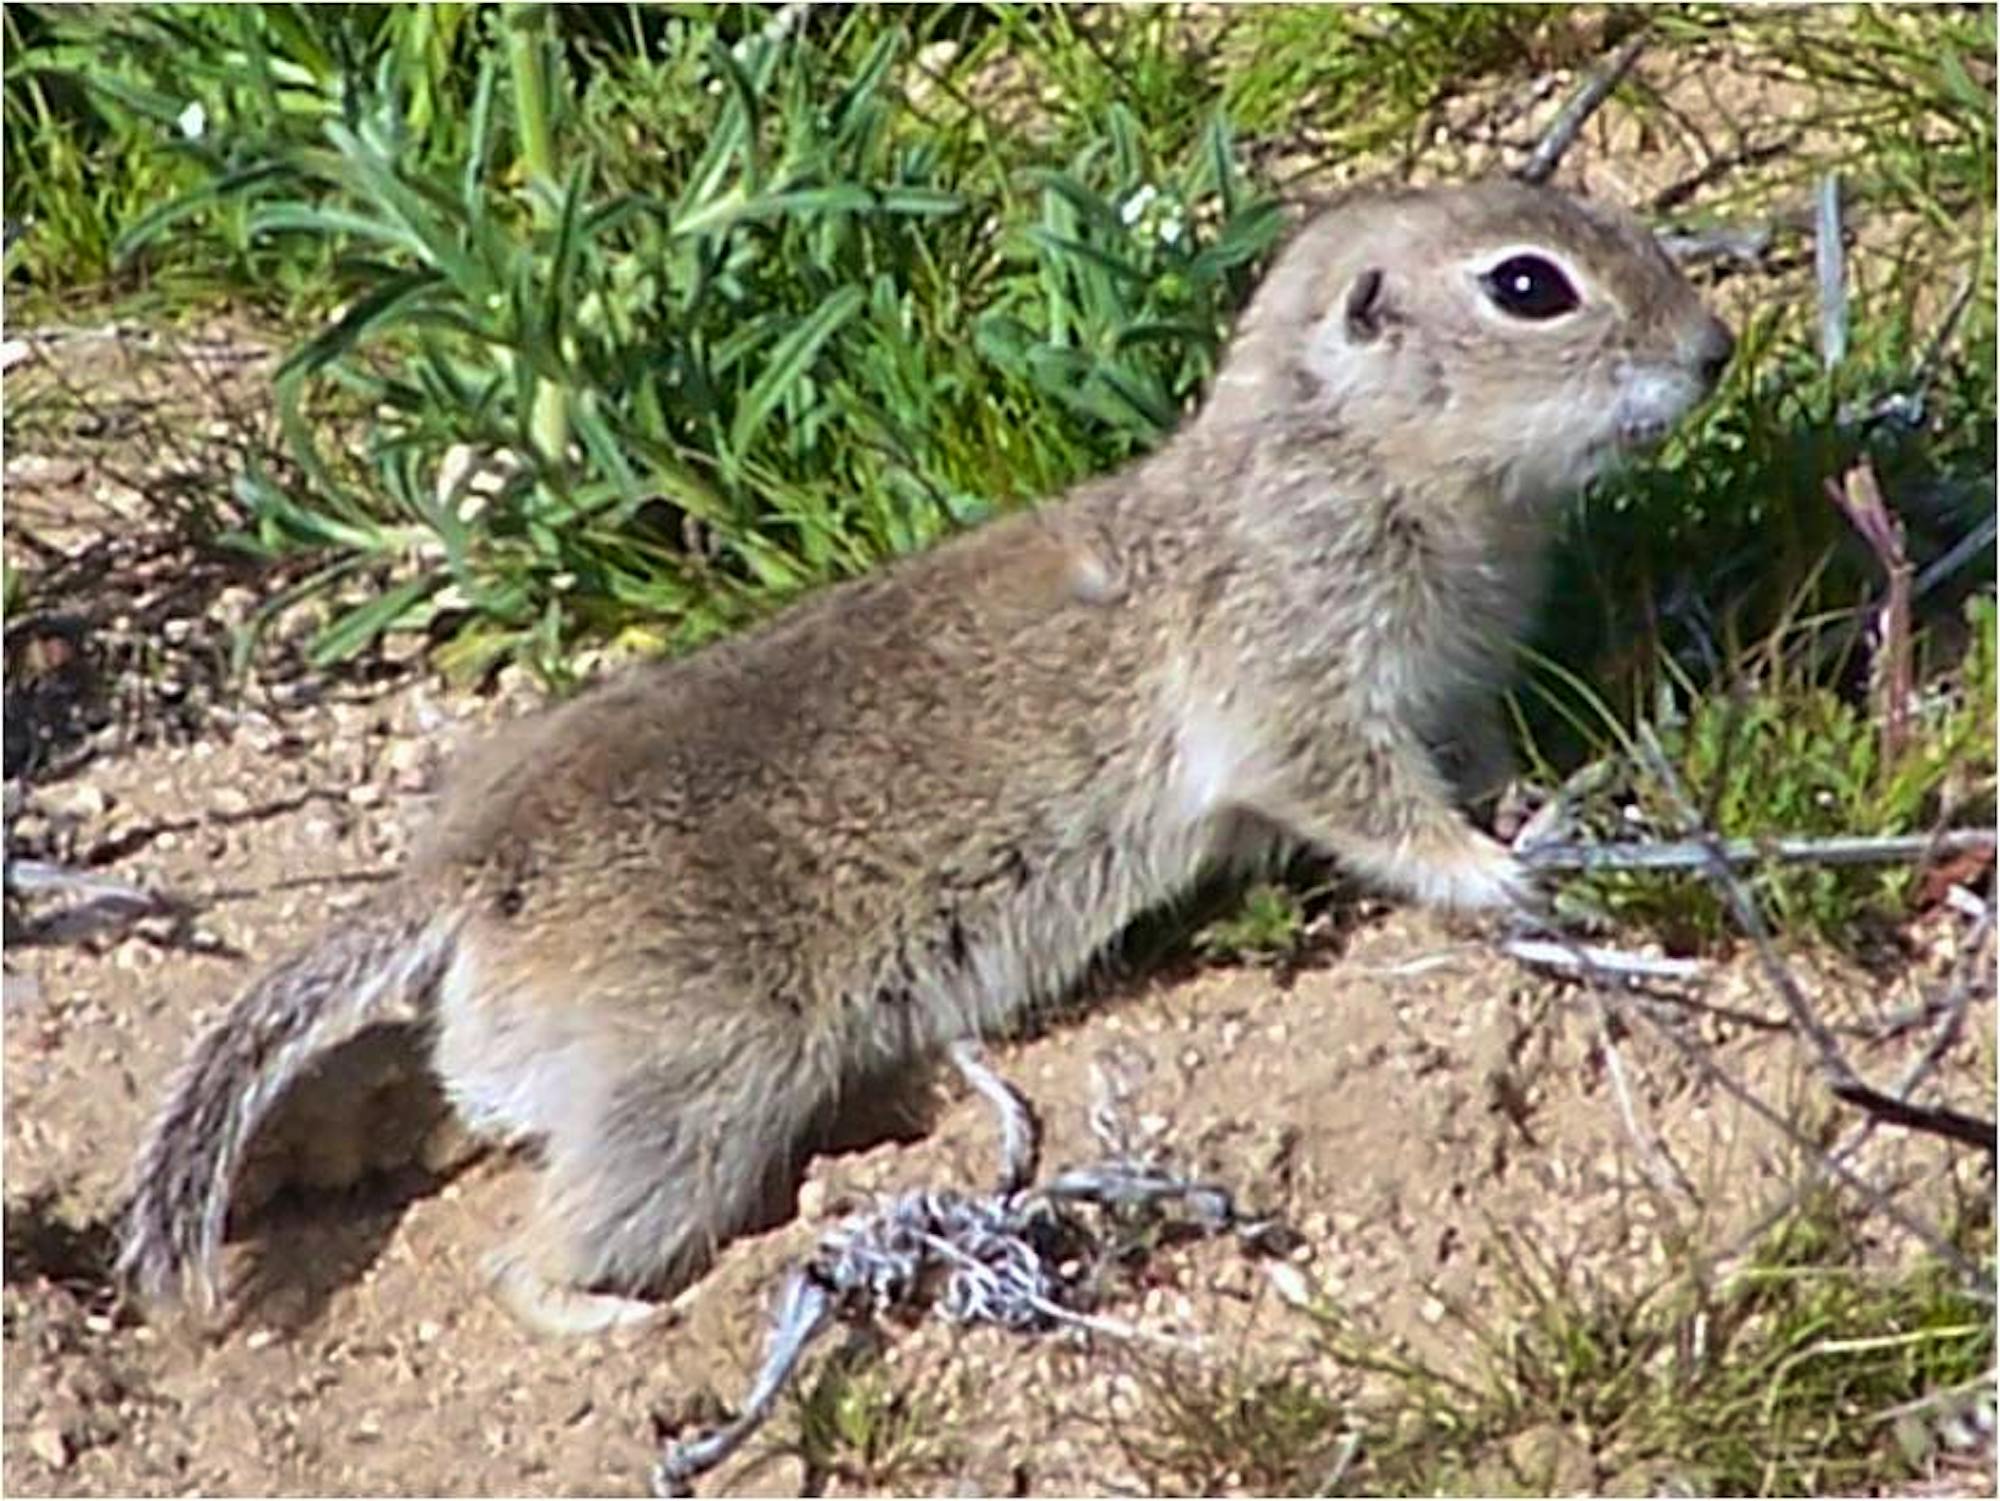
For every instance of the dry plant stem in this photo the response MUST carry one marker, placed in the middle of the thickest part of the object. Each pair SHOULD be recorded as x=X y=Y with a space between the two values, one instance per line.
x=1935 y=1120
x=1744 y=909
x=1876 y=1200
x=1859 y=498
x=1020 y=1132
x=1830 y=265
x=1574 y=958
x=104 y=903
x=1568 y=124
x=971 y=1259
x=1934 y=352
x=1841 y=1077
x=1976 y=543
x=1895 y=1107
x=1970 y=979
x=1665 y=1174
x=34 y=876
x=1749 y=243
x=1550 y=823
x=1724 y=242
x=1696 y=854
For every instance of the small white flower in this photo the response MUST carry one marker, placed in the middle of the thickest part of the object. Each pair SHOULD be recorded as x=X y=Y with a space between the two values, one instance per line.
x=452 y=472
x=1170 y=230
x=192 y=121
x=1137 y=204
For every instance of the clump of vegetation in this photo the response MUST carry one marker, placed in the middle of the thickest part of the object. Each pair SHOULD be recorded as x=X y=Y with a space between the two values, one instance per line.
x=767 y=329
x=1805 y=1371
x=860 y=1424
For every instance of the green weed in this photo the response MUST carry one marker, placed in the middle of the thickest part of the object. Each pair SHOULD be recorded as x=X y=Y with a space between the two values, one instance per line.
x=1778 y=753
x=1803 y=1372
x=813 y=354
x=1266 y=923
x=859 y=1425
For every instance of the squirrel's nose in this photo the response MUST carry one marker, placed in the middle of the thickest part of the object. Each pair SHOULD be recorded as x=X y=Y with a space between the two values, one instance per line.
x=1711 y=350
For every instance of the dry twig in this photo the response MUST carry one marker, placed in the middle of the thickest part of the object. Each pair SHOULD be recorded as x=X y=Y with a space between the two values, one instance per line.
x=1023 y=1258
x=1842 y=1079
x=1569 y=122
x=1698 y=854
x=1892 y=674
x=1830 y=266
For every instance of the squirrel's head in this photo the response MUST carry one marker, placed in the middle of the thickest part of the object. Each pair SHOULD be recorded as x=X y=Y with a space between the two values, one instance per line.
x=1514 y=336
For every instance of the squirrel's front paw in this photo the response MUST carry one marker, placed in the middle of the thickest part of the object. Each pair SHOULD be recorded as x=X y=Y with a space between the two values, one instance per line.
x=1476 y=874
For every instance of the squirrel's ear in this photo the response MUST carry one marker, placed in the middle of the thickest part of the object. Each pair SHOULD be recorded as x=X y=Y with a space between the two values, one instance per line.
x=1367 y=308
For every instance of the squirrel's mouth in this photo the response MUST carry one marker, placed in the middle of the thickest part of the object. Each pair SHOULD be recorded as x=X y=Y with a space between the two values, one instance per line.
x=1651 y=405
x=1643 y=434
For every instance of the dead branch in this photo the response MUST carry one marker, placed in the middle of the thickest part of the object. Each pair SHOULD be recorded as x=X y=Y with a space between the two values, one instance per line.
x=1611 y=986
x=1570 y=120
x=1858 y=497
x=1830 y=265
x=1936 y=1120
x=1657 y=1163
x=1696 y=854
x=1577 y=958
x=1744 y=909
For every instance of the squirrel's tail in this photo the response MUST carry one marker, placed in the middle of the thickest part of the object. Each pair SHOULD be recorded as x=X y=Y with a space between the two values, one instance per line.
x=356 y=973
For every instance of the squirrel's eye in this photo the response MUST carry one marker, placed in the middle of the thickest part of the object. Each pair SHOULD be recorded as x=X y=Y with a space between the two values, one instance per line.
x=1527 y=286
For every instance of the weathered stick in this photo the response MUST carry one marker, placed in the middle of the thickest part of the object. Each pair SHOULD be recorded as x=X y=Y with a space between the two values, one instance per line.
x=1833 y=1163
x=1830 y=264
x=1592 y=959
x=1842 y=1079
x=1569 y=122
x=1858 y=496
x=1936 y=1120
x=1696 y=854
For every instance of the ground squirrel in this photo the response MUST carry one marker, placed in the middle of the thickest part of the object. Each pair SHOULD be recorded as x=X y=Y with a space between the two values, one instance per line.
x=660 y=930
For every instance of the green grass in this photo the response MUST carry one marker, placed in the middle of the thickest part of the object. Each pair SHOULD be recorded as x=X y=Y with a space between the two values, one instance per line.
x=1266 y=923
x=860 y=1425
x=1808 y=1370
x=1783 y=751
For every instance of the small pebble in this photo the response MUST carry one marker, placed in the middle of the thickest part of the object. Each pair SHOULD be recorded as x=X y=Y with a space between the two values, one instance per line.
x=1289 y=1283
x=48 y=1443
x=82 y=801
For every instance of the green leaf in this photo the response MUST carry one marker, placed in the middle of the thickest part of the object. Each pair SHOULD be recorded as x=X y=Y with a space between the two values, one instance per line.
x=300 y=218
x=361 y=625
x=363 y=317
x=1093 y=206
x=1063 y=247
x=794 y=353
x=232 y=184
